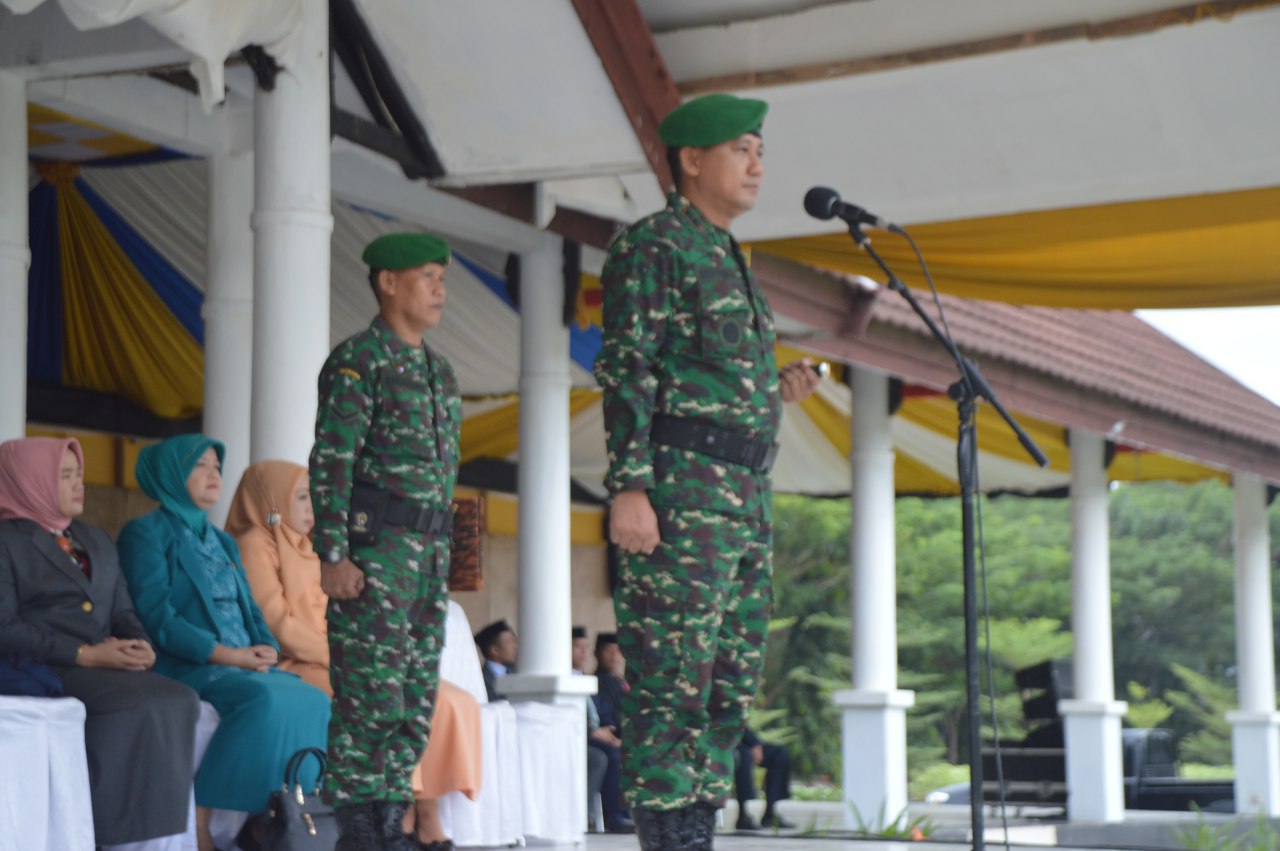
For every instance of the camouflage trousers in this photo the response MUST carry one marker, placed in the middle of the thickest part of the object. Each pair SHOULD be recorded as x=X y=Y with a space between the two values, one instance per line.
x=384 y=649
x=693 y=619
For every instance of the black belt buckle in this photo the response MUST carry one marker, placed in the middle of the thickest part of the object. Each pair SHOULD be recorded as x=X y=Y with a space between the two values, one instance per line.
x=770 y=455
x=439 y=521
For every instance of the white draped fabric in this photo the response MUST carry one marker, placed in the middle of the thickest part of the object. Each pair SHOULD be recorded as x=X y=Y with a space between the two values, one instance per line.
x=553 y=751
x=44 y=776
x=211 y=30
x=531 y=752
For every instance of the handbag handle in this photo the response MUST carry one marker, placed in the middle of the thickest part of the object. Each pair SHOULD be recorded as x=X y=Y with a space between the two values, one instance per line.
x=294 y=766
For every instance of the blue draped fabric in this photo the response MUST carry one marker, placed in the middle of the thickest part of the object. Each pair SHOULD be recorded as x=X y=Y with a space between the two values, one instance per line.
x=44 y=287
x=583 y=344
x=177 y=293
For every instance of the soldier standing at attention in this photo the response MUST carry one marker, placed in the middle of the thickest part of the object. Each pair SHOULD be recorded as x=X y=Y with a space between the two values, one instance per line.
x=382 y=474
x=692 y=405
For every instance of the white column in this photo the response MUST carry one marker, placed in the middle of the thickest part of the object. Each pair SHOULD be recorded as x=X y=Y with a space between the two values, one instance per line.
x=228 y=317
x=291 y=230
x=1091 y=721
x=874 y=727
x=545 y=668
x=1255 y=736
x=15 y=256
x=543 y=561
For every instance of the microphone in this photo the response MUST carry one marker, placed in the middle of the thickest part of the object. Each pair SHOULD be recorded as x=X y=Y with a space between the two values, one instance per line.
x=822 y=202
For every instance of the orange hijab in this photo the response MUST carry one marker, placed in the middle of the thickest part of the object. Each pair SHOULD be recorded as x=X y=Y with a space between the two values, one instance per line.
x=261 y=505
x=261 y=502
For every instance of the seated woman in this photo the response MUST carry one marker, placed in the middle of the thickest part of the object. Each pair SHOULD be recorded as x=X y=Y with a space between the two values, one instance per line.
x=192 y=597
x=271 y=517
x=63 y=600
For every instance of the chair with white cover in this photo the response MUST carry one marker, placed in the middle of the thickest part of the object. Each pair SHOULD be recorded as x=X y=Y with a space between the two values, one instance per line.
x=496 y=816
x=44 y=775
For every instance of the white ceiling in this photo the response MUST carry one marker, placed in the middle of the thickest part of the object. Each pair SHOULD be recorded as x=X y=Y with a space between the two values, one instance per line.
x=514 y=92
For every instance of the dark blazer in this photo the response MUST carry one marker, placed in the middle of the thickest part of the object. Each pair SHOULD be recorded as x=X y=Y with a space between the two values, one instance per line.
x=175 y=603
x=608 y=698
x=47 y=606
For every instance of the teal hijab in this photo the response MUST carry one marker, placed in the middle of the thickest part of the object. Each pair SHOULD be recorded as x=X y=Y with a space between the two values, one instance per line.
x=162 y=472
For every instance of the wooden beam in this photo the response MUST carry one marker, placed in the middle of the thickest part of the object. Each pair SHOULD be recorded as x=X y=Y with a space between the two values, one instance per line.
x=1121 y=27
x=625 y=45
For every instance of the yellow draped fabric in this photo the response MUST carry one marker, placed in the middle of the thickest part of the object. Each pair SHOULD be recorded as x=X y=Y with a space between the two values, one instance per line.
x=119 y=336
x=1197 y=251
x=496 y=432
x=937 y=414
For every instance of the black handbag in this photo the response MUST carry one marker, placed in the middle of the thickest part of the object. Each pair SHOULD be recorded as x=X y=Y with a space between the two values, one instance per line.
x=297 y=820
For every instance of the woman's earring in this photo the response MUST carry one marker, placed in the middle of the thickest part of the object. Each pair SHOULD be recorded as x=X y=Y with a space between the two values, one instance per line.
x=273 y=518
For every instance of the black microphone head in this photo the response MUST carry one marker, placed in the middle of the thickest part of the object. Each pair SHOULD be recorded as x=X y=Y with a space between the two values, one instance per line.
x=821 y=202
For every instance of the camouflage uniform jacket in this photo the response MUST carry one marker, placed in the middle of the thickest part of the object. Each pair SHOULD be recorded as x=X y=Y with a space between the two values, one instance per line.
x=689 y=333
x=389 y=415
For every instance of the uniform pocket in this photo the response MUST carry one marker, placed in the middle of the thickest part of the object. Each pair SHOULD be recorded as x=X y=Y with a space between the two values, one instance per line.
x=725 y=333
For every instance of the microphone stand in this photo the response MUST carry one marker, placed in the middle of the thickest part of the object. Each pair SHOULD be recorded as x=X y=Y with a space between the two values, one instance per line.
x=965 y=392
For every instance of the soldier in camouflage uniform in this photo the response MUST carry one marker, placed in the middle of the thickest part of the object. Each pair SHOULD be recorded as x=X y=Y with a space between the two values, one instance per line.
x=692 y=405
x=382 y=474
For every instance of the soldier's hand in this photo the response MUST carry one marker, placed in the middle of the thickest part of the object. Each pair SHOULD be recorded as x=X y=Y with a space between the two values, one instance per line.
x=797 y=380
x=342 y=581
x=633 y=525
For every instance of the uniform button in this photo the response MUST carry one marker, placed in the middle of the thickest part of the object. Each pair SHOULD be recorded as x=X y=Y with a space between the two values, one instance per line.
x=87 y=606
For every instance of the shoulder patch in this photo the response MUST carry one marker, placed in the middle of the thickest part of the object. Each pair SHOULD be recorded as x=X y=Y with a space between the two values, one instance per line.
x=350 y=373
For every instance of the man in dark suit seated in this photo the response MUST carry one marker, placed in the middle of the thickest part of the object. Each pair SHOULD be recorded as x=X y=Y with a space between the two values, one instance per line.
x=611 y=671
x=498 y=646
x=776 y=760
x=604 y=751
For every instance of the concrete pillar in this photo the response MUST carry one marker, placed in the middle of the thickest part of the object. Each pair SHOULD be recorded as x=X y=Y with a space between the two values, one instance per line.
x=228 y=317
x=874 y=727
x=15 y=256
x=292 y=225
x=545 y=669
x=543 y=547
x=1091 y=721
x=1255 y=736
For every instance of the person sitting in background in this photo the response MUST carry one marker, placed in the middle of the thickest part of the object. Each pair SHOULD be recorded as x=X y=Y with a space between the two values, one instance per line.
x=64 y=601
x=604 y=752
x=271 y=518
x=192 y=597
x=776 y=760
x=611 y=672
x=498 y=646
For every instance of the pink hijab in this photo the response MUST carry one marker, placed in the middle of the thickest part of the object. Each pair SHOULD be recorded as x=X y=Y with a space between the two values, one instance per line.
x=29 y=479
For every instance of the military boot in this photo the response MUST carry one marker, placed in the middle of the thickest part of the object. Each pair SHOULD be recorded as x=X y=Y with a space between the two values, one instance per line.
x=390 y=827
x=357 y=830
x=660 y=831
x=699 y=827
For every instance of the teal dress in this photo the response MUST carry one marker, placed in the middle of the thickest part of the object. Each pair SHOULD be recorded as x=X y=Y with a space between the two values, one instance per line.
x=191 y=595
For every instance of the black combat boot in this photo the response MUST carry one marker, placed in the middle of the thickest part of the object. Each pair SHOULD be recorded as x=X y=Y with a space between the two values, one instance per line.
x=660 y=831
x=699 y=827
x=357 y=830
x=390 y=826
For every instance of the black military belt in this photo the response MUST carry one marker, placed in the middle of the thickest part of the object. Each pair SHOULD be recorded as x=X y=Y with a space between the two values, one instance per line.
x=706 y=438
x=388 y=509
x=431 y=521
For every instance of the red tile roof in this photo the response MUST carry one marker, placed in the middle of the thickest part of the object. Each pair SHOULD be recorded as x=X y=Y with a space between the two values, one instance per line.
x=1111 y=352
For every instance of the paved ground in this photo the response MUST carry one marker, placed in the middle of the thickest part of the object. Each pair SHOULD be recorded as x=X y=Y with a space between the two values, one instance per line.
x=820 y=828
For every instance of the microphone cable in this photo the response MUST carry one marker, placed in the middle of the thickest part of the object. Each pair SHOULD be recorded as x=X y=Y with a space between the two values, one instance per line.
x=981 y=546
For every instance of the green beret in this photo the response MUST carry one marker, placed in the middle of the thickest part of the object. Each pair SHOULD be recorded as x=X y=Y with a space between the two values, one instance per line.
x=710 y=120
x=405 y=251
